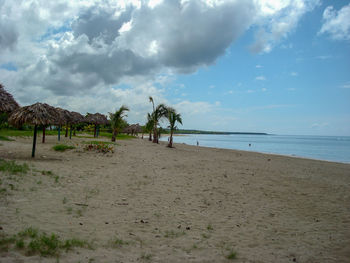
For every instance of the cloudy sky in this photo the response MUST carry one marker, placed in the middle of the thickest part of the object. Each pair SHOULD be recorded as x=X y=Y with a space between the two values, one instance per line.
x=275 y=66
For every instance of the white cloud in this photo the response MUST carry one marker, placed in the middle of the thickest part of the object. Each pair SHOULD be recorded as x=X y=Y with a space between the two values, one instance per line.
x=93 y=55
x=276 y=20
x=336 y=23
x=346 y=86
x=260 y=78
x=294 y=74
x=264 y=89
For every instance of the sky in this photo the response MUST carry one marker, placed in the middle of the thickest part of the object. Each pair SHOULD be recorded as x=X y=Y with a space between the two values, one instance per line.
x=274 y=66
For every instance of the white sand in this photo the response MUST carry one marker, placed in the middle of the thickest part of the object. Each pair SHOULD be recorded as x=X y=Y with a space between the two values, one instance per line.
x=267 y=208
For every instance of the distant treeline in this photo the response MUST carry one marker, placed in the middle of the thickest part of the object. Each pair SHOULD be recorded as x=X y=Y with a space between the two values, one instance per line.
x=182 y=131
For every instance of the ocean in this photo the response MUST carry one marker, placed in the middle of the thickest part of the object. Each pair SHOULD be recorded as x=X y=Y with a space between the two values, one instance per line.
x=329 y=148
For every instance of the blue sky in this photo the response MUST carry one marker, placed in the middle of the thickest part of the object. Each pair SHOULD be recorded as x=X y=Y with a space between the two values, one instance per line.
x=279 y=67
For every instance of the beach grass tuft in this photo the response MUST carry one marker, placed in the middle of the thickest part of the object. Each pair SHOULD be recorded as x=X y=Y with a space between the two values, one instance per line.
x=12 y=168
x=232 y=255
x=35 y=242
x=62 y=147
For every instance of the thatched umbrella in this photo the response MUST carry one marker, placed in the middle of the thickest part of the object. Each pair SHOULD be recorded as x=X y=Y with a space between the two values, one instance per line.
x=65 y=119
x=77 y=118
x=97 y=119
x=36 y=114
x=7 y=102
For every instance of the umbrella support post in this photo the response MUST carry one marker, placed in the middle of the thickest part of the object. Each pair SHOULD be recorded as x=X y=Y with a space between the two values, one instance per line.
x=59 y=133
x=70 y=132
x=34 y=141
x=43 y=140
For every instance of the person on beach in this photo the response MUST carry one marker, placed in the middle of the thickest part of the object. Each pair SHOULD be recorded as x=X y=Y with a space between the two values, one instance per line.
x=197 y=143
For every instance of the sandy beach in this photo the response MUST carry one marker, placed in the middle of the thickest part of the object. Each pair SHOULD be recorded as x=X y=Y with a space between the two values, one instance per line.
x=187 y=204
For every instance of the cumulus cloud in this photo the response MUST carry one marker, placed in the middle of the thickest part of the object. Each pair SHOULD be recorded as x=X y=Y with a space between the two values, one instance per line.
x=336 y=23
x=276 y=20
x=74 y=53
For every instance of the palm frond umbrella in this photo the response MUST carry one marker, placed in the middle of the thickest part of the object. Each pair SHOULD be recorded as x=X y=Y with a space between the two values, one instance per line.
x=66 y=118
x=96 y=119
x=77 y=118
x=7 y=102
x=36 y=114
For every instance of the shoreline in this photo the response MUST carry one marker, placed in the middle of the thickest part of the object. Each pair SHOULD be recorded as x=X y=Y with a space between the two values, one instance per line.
x=262 y=152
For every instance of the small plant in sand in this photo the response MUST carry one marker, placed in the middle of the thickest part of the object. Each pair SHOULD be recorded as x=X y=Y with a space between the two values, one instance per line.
x=145 y=256
x=32 y=241
x=117 y=242
x=12 y=168
x=99 y=147
x=62 y=147
x=232 y=255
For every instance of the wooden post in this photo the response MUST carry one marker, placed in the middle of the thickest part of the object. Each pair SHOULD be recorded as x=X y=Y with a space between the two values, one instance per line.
x=95 y=131
x=43 y=141
x=66 y=135
x=98 y=131
x=59 y=132
x=70 y=132
x=34 y=141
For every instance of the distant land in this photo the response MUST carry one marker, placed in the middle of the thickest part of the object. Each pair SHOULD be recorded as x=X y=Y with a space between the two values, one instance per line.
x=183 y=131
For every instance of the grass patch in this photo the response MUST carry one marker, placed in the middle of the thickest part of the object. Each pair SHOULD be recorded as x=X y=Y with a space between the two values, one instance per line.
x=62 y=147
x=12 y=168
x=232 y=255
x=99 y=142
x=34 y=242
x=210 y=227
x=145 y=256
x=117 y=243
x=5 y=138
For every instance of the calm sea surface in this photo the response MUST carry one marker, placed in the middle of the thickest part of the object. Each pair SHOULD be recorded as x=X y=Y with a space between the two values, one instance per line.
x=330 y=148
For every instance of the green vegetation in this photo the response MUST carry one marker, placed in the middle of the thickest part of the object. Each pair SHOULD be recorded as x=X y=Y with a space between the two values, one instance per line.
x=183 y=131
x=145 y=256
x=99 y=142
x=210 y=227
x=232 y=255
x=62 y=147
x=173 y=118
x=117 y=243
x=23 y=133
x=101 y=147
x=117 y=121
x=5 y=138
x=33 y=242
x=12 y=168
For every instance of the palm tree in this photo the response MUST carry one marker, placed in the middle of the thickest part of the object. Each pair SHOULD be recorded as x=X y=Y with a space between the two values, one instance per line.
x=117 y=120
x=173 y=117
x=149 y=126
x=158 y=112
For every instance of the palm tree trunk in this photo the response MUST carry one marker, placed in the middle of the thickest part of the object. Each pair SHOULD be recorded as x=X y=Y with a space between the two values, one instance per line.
x=155 y=136
x=170 y=145
x=150 y=136
x=43 y=141
x=59 y=133
x=114 y=135
x=70 y=131
x=66 y=135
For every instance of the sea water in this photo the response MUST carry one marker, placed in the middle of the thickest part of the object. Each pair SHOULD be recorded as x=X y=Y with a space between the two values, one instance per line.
x=329 y=148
